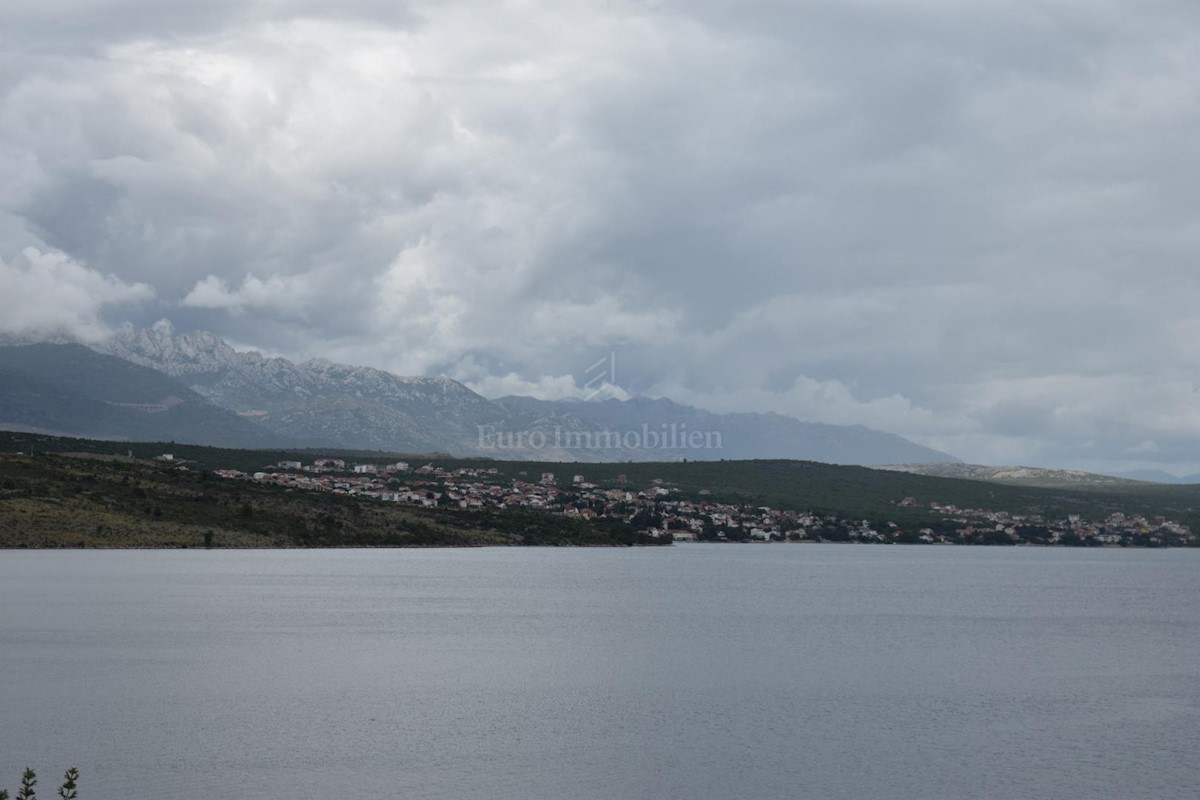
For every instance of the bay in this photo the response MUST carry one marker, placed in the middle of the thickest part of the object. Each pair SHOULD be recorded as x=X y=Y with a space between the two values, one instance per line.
x=700 y=672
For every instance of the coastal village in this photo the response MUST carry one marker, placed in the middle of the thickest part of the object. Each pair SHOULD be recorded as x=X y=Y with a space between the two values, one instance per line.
x=661 y=511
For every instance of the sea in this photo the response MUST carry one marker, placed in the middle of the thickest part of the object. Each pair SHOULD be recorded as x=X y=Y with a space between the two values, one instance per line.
x=698 y=672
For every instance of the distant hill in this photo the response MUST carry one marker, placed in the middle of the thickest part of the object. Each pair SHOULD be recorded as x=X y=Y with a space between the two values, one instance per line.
x=1016 y=476
x=742 y=436
x=363 y=408
x=1158 y=476
x=72 y=390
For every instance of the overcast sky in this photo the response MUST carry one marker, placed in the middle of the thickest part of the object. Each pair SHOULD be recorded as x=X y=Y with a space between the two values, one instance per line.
x=975 y=224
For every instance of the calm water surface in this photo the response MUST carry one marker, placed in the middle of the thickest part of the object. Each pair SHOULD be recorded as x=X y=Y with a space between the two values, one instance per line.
x=699 y=672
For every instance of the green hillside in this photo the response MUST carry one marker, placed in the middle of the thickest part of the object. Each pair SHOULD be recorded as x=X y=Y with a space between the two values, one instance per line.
x=63 y=501
x=853 y=492
x=869 y=493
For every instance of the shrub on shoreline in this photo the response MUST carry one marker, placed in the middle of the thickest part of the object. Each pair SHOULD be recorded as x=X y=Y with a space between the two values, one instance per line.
x=28 y=790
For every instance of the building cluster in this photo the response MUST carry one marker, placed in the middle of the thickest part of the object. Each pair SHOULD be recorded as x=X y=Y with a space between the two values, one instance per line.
x=659 y=510
x=1116 y=529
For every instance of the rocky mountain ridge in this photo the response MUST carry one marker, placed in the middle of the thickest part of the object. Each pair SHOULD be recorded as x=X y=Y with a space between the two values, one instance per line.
x=345 y=406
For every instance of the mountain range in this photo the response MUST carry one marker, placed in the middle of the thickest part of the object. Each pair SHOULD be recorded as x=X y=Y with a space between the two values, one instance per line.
x=255 y=400
x=68 y=389
x=1159 y=476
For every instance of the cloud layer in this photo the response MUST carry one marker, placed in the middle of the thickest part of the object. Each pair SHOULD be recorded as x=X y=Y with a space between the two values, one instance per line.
x=974 y=225
x=49 y=294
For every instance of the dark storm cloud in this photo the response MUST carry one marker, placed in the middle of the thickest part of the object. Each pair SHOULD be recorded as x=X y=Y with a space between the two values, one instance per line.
x=969 y=224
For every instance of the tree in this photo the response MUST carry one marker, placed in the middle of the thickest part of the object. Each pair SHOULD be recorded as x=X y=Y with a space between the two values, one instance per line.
x=28 y=790
x=994 y=537
x=68 y=791
x=28 y=782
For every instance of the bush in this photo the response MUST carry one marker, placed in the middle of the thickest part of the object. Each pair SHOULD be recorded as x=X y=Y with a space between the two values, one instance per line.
x=28 y=790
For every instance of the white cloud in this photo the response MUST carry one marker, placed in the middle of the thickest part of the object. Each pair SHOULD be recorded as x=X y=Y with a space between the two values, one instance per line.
x=291 y=294
x=49 y=293
x=972 y=226
x=547 y=387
